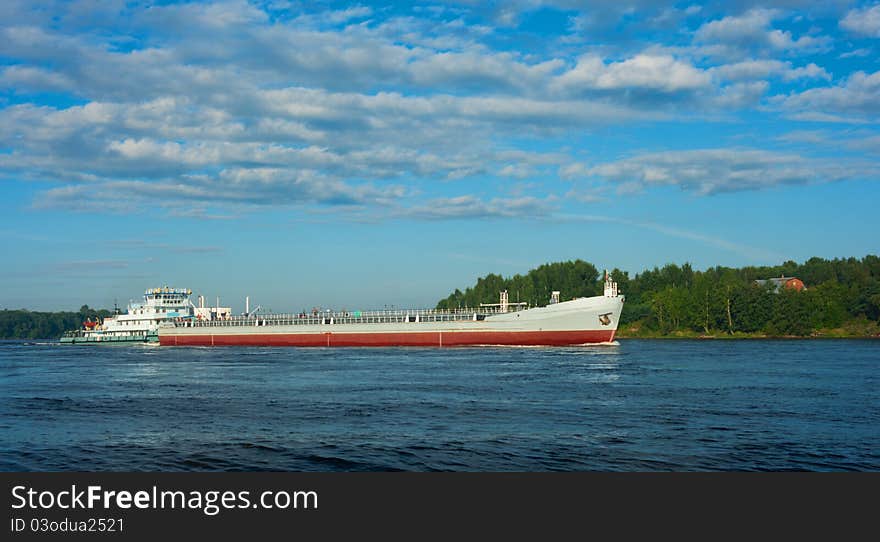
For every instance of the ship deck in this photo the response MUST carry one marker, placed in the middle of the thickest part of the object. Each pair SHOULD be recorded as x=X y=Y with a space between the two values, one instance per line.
x=72 y=337
x=351 y=317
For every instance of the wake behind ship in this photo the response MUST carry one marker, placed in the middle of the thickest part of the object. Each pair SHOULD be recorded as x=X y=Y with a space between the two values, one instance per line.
x=586 y=320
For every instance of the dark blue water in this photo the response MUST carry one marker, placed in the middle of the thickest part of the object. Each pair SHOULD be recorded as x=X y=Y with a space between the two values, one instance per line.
x=642 y=405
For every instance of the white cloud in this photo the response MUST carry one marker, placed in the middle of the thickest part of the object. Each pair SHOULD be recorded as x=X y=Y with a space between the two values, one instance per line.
x=810 y=71
x=146 y=149
x=209 y=17
x=837 y=140
x=661 y=73
x=478 y=70
x=765 y=68
x=864 y=21
x=736 y=35
x=815 y=116
x=858 y=53
x=741 y=95
x=236 y=187
x=33 y=77
x=348 y=14
x=806 y=136
x=857 y=96
x=516 y=171
x=712 y=171
x=469 y=207
x=750 y=69
x=738 y=29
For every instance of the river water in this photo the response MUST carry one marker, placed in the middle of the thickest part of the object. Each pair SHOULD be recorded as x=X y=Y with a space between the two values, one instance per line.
x=661 y=405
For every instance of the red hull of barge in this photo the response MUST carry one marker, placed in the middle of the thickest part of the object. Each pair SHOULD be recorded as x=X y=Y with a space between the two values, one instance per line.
x=430 y=338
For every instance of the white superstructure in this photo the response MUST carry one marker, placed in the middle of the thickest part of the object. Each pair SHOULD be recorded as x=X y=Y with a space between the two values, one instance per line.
x=140 y=323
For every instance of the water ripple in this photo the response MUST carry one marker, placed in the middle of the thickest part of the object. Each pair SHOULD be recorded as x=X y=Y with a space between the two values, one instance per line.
x=637 y=406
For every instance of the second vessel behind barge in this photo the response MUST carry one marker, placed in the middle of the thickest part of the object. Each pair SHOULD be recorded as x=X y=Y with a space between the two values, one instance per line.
x=583 y=320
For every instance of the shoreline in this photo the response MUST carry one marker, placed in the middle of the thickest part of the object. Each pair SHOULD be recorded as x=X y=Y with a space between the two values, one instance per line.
x=679 y=335
x=856 y=328
x=741 y=338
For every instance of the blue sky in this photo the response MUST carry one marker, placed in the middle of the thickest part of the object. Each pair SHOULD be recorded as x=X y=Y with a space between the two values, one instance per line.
x=363 y=155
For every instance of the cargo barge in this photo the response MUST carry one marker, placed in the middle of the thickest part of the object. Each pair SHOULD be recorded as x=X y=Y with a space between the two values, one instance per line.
x=586 y=320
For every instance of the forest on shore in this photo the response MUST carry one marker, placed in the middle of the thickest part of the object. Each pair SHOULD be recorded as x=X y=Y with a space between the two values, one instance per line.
x=841 y=299
x=25 y=324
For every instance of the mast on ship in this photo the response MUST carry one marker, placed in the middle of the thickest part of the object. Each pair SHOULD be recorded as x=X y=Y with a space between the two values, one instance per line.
x=504 y=303
x=610 y=286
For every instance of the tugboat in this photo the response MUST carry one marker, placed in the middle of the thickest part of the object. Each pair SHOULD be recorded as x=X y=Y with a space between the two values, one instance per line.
x=140 y=323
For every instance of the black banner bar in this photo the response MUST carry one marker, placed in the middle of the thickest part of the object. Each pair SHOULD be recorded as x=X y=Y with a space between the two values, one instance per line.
x=546 y=505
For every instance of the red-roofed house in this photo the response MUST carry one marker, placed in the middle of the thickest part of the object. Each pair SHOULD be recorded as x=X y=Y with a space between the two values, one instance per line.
x=788 y=283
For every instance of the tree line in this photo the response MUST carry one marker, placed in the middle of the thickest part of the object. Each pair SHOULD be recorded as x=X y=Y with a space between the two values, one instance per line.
x=25 y=324
x=677 y=298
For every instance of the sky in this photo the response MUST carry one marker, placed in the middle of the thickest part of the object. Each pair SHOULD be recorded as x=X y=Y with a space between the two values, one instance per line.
x=364 y=155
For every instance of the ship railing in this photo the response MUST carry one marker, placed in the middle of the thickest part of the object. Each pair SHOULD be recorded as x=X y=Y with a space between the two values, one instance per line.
x=350 y=317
